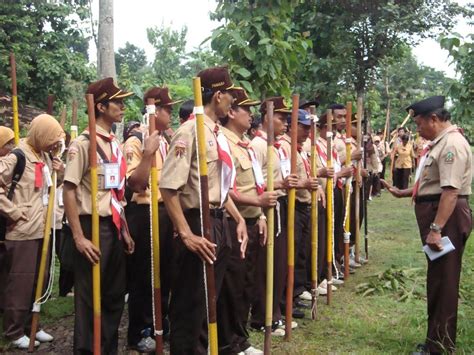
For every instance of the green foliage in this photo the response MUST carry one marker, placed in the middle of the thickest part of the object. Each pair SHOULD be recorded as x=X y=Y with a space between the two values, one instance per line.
x=263 y=49
x=50 y=45
x=462 y=91
x=132 y=56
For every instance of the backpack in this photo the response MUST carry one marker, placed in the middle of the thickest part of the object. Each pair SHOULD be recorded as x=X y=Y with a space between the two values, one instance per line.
x=17 y=174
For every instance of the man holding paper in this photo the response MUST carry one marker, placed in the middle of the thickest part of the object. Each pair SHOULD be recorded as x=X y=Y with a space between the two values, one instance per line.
x=441 y=191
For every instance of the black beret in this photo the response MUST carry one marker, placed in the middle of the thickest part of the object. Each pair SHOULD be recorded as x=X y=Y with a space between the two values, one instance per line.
x=426 y=106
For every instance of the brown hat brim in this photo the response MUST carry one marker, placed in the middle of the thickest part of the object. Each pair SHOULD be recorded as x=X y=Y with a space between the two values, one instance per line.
x=172 y=103
x=249 y=102
x=283 y=110
x=120 y=95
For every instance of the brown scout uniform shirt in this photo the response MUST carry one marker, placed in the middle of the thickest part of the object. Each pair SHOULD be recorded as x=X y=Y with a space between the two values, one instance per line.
x=78 y=173
x=180 y=169
x=405 y=154
x=133 y=151
x=245 y=178
x=259 y=145
x=26 y=198
x=448 y=164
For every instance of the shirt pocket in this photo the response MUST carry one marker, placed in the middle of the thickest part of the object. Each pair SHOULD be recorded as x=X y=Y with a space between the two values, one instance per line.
x=428 y=169
x=211 y=153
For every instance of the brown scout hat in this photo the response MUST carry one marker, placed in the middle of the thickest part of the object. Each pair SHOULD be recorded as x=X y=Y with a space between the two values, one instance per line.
x=241 y=98
x=216 y=79
x=105 y=90
x=161 y=95
x=278 y=105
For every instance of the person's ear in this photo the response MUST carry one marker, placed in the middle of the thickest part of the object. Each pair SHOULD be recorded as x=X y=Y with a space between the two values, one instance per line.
x=101 y=107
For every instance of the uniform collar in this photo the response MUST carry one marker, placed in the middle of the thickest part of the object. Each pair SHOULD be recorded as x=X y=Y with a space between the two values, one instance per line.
x=231 y=136
x=443 y=133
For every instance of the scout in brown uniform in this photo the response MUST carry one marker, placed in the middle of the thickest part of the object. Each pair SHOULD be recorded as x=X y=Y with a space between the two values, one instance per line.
x=303 y=211
x=441 y=193
x=403 y=156
x=283 y=181
x=24 y=236
x=7 y=143
x=108 y=100
x=140 y=328
x=180 y=191
x=250 y=197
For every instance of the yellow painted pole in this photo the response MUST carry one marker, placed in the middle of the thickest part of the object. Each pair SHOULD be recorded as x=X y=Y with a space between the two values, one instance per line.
x=96 y=287
x=314 y=221
x=206 y=217
x=347 y=225
x=16 y=124
x=270 y=234
x=155 y=242
x=290 y=281
x=330 y=207
x=74 y=120
x=42 y=266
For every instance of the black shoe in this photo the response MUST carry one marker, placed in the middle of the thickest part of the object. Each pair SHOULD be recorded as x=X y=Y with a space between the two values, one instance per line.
x=299 y=304
x=298 y=313
x=421 y=349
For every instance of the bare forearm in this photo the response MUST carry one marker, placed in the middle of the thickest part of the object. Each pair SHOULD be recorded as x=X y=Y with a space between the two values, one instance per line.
x=232 y=210
x=173 y=206
x=447 y=203
x=138 y=181
x=70 y=208
x=244 y=200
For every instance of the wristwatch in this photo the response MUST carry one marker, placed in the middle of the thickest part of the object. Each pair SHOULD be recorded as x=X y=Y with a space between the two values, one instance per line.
x=435 y=227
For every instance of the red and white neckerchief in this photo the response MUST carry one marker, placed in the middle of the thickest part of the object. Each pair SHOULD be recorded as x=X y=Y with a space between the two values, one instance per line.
x=285 y=165
x=227 y=165
x=321 y=147
x=256 y=168
x=39 y=175
x=304 y=156
x=163 y=147
x=118 y=194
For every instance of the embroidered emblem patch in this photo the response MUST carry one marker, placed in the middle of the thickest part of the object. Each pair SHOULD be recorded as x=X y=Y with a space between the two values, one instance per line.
x=71 y=152
x=449 y=157
x=180 y=148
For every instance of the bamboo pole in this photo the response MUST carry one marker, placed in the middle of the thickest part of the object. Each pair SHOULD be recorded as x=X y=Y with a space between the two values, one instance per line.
x=330 y=207
x=155 y=242
x=206 y=217
x=291 y=220
x=50 y=105
x=364 y=191
x=360 y=112
x=63 y=117
x=43 y=261
x=270 y=233
x=314 y=221
x=16 y=123
x=347 y=225
x=96 y=286
x=74 y=128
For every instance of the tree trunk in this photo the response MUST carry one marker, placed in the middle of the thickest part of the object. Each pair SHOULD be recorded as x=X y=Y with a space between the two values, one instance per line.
x=105 y=51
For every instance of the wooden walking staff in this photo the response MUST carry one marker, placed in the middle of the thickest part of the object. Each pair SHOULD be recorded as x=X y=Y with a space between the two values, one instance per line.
x=155 y=239
x=96 y=293
x=360 y=112
x=74 y=120
x=270 y=234
x=291 y=220
x=347 y=224
x=206 y=217
x=314 y=220
x=45 y=249
x=63 y=117
x=50 y=104
x=330 y=207
x=16 y=124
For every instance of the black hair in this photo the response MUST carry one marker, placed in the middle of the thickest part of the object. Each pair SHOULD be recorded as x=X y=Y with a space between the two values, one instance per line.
x=401 y=128
x=405 y=137
x=257 y=120
x=441 y=113
x=207 y=96
x=96 y=110
x=186 y=109
x=336 y=107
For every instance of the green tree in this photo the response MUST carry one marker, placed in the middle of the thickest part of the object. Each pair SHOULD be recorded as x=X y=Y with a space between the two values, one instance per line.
x=50 y=45
x=260 y=44
x=462 y=90
x=130 y=54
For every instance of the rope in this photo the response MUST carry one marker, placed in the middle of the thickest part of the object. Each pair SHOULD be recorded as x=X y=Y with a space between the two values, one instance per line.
x=152 y=271
x=333 y=244
x=202 y=228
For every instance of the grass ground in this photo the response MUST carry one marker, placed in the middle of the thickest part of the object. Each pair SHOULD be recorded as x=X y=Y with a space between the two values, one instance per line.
x=376 y=324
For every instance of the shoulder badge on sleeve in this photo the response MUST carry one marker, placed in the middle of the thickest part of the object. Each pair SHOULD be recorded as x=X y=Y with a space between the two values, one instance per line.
x=449 y=158
x=180 y=148
x=71 y=152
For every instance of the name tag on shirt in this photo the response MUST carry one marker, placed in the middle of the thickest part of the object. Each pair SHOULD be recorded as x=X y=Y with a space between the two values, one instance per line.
x=111 y=175
x=285 y=167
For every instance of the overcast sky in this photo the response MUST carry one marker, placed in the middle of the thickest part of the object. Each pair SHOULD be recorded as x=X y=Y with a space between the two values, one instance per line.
x=132 y=18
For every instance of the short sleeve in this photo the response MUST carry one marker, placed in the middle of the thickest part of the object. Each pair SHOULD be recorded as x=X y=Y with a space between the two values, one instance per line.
x=7 y=165
x=452 y=164
x=77 y=161
x=177 y=165
x=133 y=154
